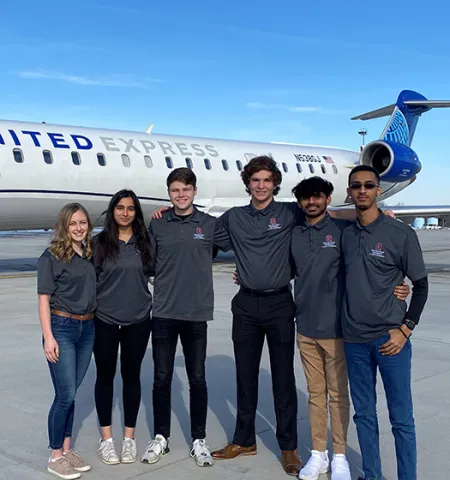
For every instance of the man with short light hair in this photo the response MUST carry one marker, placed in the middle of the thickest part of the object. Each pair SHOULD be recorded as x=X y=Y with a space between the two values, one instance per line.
x=183 y=240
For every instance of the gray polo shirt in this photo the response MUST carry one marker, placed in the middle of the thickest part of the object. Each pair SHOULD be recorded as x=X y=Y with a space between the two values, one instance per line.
x=261 y=242
x=320 y=277
x=71 y=286
x=183 y=286
x=123 y=297
x=377 y=259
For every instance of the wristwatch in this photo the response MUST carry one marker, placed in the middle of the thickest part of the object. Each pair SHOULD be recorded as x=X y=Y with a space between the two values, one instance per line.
x=410 y=324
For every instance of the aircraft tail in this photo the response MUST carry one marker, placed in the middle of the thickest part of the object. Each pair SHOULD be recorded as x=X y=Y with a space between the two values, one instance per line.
x=404 y=115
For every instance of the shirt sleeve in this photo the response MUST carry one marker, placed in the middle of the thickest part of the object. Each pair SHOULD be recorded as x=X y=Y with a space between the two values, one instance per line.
x=152 y=250
x=45 y=276
x=412 y=263
x=224 y=220
x=297 y=213
x=418 y=299
x=221 y=237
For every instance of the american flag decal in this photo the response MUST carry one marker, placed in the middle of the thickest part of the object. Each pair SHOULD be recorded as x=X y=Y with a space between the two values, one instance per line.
x=328 y=159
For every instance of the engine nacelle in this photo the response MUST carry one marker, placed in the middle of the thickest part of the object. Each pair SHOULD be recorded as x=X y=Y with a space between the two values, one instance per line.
x=393 y=161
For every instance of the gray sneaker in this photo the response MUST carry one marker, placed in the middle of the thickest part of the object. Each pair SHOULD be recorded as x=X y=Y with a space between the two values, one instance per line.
x=62 y=469
x=107 y=452
x=201 y=453
x=77 y=462
x=155 y=449
x=129 y=451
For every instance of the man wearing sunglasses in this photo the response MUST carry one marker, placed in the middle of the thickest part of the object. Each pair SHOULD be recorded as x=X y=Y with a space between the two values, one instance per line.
x=378 y=253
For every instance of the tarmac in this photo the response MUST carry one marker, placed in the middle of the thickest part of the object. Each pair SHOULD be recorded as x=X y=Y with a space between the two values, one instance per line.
x=27 y=392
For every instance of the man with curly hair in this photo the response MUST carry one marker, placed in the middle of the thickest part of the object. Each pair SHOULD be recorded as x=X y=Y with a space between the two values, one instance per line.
x=260 y=234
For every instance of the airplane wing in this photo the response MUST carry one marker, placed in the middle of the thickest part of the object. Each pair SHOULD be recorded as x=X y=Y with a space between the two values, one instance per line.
x=420 y=211
x=399 y=211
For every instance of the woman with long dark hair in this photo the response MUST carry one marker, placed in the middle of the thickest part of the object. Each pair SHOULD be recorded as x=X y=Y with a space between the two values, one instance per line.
x=66 y=297
x=123 y=262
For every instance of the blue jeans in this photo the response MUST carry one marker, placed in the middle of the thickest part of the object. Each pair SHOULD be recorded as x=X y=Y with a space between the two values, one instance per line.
x=75 y=340
x=362 y=362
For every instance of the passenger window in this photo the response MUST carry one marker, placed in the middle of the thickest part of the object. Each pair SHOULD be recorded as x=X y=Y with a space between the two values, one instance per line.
x=48 y=159
x=18 y=155
x=207 y=164
x=76 y=158
x=126 y=160
x=239 y=165
x=285 y=167
x=225 y=165
x=324 y=170
x=311 y=168
x=189 y=163
x=299 y=168
x=101 y=159
x=169 y=162
x=148 y=161
x=335 y=170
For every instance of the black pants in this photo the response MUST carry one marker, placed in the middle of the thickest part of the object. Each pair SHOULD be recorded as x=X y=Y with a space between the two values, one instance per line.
x=133 y=341
x=254 y=318
x=164 y=342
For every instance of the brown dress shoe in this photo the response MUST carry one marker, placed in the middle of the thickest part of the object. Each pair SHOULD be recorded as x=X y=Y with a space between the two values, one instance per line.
x=291 y=462
x=232 y=451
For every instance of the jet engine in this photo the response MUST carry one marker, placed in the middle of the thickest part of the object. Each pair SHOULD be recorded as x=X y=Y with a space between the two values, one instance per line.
x=393 y=161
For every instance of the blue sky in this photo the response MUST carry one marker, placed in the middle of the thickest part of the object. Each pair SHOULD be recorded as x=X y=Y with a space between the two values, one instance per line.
x=265 y=71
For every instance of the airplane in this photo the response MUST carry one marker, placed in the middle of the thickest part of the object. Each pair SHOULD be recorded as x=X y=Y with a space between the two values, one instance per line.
x=43 y=166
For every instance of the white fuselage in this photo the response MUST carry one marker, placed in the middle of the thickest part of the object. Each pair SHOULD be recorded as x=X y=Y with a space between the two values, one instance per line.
x=61 y=164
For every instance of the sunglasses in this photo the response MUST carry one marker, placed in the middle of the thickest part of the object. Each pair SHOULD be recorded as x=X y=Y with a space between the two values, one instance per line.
x=359 y=185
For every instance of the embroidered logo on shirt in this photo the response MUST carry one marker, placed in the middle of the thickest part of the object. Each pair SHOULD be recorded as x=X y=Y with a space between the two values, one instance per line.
x=328 y=243
x=377 y=251
x=273 y=225
x=199 y=235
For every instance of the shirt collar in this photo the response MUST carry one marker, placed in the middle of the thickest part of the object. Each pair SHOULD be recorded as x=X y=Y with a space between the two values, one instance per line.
x=372 y=226
x=319 y=225
x=265 y=211
x=194 y=217
x=131 y=241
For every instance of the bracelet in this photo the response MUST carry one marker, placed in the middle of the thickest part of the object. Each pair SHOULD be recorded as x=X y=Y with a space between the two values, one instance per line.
x=404 y=334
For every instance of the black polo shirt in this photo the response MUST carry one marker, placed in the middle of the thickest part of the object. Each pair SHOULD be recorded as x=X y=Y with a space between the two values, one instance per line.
x=377 y=258
x=320 y=277
x=123 y=296
x=183 y=285
x=261 y=243
x=71 y=286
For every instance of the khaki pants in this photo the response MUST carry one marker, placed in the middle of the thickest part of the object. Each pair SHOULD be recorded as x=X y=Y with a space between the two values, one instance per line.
x=326 y=376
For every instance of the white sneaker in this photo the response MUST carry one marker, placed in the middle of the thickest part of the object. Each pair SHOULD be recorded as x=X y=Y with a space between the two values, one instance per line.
x=107 y=452
x=201 y=453
x=318 y=463
x=129 y=451
x=340 y=469
x=155 y=449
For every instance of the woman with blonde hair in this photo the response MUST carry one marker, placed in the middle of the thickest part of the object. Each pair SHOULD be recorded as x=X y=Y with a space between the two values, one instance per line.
x=66 y=290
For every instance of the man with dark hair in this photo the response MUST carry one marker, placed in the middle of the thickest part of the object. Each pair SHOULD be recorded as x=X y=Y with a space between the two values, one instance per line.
x=184 y=239
x=187 y=177
x=378 y=253
x=319 y=288
x=260 y=236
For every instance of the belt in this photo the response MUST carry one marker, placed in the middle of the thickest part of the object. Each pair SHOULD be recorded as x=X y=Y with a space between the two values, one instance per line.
x=89 y=316
x=265 y=293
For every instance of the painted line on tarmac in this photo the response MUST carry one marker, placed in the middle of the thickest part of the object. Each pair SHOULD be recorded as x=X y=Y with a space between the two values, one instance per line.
x=7 y=276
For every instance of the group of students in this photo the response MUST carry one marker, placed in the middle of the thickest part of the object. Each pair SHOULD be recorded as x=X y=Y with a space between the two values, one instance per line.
x=349 y=310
